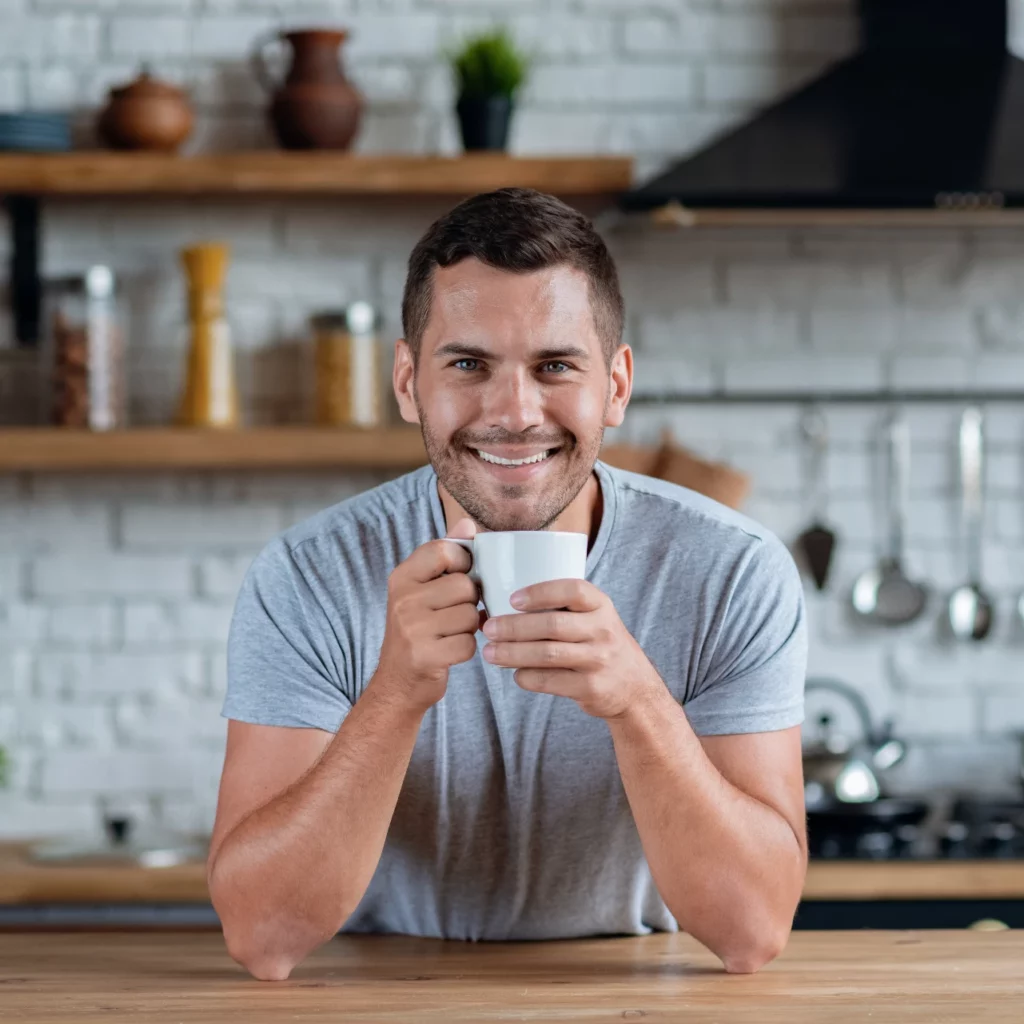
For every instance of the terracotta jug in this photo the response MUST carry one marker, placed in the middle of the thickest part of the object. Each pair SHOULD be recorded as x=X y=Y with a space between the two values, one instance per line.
x=316 y=107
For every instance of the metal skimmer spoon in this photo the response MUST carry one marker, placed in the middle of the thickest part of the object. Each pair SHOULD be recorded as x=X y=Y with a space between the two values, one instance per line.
x=884 y=595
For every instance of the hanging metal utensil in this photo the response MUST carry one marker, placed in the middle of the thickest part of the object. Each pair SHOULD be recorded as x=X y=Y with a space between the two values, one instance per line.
x=884 y=595
x=817 y=542
x=970 y=609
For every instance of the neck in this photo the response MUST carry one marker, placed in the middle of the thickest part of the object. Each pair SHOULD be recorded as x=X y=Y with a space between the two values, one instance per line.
x=581 y=515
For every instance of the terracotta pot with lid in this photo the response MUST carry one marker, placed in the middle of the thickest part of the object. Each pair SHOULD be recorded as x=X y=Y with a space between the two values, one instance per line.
x=315 y=107
x=146 y=114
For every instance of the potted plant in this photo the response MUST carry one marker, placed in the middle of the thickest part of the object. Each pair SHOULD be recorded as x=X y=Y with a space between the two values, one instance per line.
x=489 y=69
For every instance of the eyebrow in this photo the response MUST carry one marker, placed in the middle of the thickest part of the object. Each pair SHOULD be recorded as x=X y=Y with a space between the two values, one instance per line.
x=466 y=351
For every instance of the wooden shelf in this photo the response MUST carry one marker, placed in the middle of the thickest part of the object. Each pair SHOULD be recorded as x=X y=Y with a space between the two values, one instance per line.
x=50 y=449
x=39 y=449
x=107 y=173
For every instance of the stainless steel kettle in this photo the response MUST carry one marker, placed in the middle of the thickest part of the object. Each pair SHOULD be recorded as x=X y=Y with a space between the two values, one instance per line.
x=838 y=769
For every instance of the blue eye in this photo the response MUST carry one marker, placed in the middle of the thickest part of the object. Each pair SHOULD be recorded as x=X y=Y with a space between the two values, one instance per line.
x=461 y=364
x=564 y=366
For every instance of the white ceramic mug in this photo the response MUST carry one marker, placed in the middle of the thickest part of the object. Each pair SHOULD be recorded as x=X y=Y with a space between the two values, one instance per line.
x=507 y=561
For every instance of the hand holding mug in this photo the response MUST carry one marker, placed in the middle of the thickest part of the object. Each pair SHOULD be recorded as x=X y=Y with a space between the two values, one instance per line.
x=432 y=620
x=568 y=640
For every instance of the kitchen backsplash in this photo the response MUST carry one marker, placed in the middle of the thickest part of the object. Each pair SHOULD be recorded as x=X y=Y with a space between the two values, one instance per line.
x=116 y=591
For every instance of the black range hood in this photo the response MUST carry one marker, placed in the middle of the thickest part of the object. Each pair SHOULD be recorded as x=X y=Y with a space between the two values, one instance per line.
x=928 y=114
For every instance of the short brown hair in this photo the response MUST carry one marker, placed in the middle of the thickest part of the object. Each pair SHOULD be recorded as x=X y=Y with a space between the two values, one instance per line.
x=518 y=230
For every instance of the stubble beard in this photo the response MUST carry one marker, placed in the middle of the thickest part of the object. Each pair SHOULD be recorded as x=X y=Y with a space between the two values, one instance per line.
x=449 y=459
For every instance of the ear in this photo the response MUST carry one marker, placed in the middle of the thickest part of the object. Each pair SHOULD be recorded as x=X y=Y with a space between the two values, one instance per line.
x=403 y=379
x=621 y=386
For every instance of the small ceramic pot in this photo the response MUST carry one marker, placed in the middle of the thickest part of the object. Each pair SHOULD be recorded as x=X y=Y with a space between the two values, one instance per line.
x=146 y=114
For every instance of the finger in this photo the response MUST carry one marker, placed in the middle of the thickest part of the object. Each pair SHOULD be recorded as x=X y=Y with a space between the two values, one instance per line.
x=463 y=618
x=559 y=682
x=569 y=626
x=465 y=529
x=435 y=558
x=576 y=595
x=456 y=649
x=450 y=589
x=546 y=654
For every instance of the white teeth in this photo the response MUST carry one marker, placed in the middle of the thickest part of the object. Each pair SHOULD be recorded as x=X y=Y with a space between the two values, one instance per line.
x=499 y=461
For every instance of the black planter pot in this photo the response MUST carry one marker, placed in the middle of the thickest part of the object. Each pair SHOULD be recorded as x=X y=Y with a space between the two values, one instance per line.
x=484 y=121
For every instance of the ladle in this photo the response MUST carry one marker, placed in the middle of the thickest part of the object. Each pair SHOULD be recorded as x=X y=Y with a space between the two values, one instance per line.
x=970 y=609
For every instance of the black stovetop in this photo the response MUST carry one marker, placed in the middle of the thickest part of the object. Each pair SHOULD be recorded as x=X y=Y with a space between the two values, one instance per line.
x=970 y=829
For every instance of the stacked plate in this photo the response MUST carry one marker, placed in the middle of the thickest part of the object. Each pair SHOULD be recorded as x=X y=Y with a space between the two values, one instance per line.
x=35 y=132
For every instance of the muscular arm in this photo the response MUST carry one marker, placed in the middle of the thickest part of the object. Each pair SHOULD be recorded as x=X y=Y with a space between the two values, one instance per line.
x=721 y=820
x=285 y=876
x=302 y=816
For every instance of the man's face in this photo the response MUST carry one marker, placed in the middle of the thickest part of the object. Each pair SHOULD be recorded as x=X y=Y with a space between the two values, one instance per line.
x=511 y=390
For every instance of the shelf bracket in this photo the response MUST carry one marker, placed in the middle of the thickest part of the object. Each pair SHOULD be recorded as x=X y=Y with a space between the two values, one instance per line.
x=26 y=290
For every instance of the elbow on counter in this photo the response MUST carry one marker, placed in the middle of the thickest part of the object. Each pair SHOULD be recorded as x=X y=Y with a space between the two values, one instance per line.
x=262 y=964
x=254 y=944
x=754 y=952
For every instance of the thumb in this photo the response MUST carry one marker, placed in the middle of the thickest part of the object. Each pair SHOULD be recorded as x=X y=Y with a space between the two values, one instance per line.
x=464 y=529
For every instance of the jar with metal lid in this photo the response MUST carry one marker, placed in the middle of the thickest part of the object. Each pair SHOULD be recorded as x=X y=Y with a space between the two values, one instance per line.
x=86 y=353
x=348 y=391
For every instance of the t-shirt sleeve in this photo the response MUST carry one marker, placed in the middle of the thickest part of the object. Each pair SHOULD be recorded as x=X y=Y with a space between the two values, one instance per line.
x=754 y=681
x=284 y=665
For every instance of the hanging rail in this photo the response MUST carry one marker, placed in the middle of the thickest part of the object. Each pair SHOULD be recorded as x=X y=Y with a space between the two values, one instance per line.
x=826 y=397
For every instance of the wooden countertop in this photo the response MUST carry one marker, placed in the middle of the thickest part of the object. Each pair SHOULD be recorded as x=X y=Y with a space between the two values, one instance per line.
x=915 y=880
x=22 y=882
x=841 y=977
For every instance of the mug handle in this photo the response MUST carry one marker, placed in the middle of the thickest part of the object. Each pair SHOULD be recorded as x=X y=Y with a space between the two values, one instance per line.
x=464 y=542
x=258 y=63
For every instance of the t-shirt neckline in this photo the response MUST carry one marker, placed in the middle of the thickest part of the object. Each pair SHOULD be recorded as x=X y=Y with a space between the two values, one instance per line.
x=609 y=507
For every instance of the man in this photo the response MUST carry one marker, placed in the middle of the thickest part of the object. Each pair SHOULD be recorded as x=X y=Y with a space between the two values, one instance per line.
x=621 y=756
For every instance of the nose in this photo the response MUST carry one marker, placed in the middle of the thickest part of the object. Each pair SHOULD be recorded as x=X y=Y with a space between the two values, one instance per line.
x=514 y=401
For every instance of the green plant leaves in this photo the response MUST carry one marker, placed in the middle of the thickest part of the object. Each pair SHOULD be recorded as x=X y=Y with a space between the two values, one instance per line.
x=489 y=64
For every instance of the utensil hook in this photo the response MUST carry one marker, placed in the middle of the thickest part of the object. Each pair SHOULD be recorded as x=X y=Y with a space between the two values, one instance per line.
x=972 y=508
x=814 y=430
x=898 y=436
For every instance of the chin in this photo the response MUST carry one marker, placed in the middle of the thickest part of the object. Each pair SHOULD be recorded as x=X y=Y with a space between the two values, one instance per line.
x=500 y=499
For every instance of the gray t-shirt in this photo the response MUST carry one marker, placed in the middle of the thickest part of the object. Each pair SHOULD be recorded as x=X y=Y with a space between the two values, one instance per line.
x=512 y=822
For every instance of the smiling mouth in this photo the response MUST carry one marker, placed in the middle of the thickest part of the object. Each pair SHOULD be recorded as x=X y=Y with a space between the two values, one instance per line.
x=497 y=460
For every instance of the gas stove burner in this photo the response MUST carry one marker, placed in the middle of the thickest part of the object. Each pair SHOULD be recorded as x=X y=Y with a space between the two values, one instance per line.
x=883 y=830
x=974 y=829
x=986 y=829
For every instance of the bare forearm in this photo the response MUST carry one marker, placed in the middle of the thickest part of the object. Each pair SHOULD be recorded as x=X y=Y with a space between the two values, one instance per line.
x=729 y=867
x=287 y=876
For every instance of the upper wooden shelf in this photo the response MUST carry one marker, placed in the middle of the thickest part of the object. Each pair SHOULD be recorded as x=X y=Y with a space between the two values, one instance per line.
x=108 y=173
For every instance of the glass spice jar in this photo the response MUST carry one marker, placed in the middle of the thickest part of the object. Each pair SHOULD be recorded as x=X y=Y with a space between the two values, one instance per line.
x=87 y=354
x=347 y=356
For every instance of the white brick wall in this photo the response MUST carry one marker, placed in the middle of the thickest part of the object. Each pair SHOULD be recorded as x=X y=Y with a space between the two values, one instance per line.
x=116 y=590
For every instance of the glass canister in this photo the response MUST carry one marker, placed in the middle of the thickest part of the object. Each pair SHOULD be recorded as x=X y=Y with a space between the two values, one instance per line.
x=87 y=385
x=348 y=387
